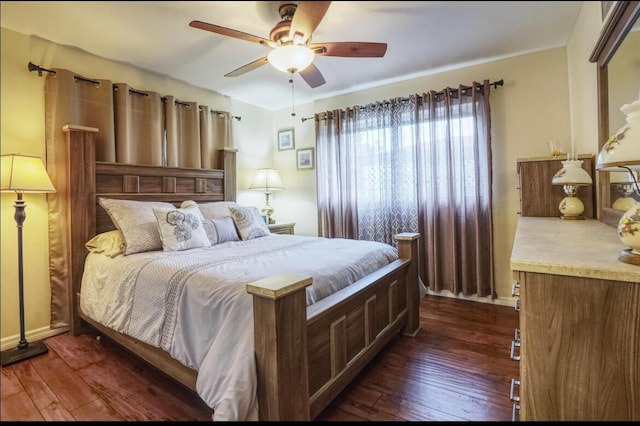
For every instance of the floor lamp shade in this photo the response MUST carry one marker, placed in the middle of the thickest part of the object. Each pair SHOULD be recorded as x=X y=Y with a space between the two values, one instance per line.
x=22 y=173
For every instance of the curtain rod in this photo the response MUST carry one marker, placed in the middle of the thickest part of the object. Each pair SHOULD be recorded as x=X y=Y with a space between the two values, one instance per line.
x=33 y=67
x=495 y=85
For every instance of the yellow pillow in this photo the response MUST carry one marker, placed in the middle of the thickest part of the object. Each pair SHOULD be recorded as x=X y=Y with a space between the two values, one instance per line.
x=108 y=243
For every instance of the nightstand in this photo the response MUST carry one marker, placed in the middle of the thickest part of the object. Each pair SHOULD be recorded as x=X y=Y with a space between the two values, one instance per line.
x=281 y=228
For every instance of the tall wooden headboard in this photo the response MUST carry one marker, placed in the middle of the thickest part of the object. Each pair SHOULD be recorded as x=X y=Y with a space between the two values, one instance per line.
x=89 y=180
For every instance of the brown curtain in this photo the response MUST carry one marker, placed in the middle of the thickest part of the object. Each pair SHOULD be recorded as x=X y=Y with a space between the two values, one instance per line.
x=454 y=190
x=70 y=99
x=416 y=164
x=337 y=180
x=139 y=126
x=215 y=135
x=183 y=133
x=132 y=125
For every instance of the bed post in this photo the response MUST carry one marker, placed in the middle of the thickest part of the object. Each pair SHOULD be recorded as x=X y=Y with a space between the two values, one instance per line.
x=227 y=160
x=408 y=249
x=81 y=202
x=280 y=336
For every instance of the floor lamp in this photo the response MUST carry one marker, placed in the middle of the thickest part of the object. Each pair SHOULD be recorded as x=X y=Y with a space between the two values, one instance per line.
x=22 y=173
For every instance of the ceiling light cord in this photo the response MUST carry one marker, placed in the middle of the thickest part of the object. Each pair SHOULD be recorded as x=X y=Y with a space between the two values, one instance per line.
x=293 y=104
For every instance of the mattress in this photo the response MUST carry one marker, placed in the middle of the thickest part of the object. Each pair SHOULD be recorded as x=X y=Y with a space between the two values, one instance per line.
x=194 y=305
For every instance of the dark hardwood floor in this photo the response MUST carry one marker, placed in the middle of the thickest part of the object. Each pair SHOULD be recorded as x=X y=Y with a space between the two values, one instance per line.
x=456 y=369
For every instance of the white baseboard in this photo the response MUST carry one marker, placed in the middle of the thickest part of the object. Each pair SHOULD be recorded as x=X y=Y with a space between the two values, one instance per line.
x=31 y=336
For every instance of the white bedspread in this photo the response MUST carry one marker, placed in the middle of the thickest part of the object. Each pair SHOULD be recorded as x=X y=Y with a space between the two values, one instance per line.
x=194 y=305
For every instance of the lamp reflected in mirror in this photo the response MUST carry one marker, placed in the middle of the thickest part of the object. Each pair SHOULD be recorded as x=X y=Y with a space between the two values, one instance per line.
x=623 y=184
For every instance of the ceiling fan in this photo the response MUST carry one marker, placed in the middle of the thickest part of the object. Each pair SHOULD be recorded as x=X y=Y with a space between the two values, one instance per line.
x=290 y=40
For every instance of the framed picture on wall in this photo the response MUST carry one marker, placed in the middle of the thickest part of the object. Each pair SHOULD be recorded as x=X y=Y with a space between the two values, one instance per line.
x=286 y=139
x=304 y=157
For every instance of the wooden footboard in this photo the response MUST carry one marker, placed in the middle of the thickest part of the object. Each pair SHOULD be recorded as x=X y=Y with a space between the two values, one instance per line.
x=305 y=356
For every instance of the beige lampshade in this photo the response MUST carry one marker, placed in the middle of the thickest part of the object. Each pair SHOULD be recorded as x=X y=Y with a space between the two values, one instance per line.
x=266 y=180
x=572 y=173
x=24 y=173
x=291 y=58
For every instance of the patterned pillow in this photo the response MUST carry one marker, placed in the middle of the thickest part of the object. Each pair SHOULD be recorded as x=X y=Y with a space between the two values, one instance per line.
x=109 y=243
x=181 y=229
x=249 y=222
x=137 y=222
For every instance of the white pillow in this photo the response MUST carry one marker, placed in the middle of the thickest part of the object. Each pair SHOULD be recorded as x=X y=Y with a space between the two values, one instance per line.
x=109 y=243
x=181 y=229
x=212 y=210
x=224 y=228
x=136 y=221
x=249 y=222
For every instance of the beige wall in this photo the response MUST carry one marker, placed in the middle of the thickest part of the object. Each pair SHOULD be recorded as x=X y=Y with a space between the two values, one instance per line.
x=546 y=95
x=22 y=120
x=540 y=91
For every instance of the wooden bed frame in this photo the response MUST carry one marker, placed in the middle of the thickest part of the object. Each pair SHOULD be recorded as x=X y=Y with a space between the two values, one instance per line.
x=305 y=356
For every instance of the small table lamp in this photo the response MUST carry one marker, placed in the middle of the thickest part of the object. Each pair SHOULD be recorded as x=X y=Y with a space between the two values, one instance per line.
x=22 y=173
x=571 y=176
x=622 y=153
x=267 y=180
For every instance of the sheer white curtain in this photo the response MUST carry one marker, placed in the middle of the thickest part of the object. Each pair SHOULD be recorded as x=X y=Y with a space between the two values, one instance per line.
x=421 y=164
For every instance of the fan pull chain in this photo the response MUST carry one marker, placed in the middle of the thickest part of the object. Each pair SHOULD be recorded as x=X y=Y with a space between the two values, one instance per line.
x=293 y=104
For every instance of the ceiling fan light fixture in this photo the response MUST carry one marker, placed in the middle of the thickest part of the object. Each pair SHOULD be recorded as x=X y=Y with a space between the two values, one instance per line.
x=291 y=58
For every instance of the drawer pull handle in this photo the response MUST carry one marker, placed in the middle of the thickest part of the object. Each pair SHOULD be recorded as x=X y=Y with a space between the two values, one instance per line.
x=516 y=407
x=514 y=345
x=513 y=397
x=514 y=287
x=516 y=335
x=517 y=305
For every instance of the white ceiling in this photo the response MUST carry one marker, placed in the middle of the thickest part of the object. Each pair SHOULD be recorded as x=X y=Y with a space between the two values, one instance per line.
x=423 y=37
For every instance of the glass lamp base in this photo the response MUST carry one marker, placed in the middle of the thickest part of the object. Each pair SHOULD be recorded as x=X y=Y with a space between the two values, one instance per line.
x=571 y=208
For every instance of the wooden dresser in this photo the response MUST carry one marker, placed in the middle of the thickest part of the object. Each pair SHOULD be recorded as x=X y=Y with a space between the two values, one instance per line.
x=579 y=336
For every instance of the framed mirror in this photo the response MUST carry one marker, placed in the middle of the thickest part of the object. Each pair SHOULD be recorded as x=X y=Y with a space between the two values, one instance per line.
x=617 y=53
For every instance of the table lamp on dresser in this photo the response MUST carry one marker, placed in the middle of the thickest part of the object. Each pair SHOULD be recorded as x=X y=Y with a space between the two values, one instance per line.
x=621 y=153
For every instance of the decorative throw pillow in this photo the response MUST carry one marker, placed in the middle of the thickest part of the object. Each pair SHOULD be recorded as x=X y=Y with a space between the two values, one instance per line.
x=249 y=222
x=109 y=243
x=181 y=229
x=137 y=222
x=225 y=230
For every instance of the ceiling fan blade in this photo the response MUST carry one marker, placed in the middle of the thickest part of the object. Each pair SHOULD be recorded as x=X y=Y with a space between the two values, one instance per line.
x=230 y=33
x=312 y=76
x=306 y=18
x=350 y=49
x=248 y=67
